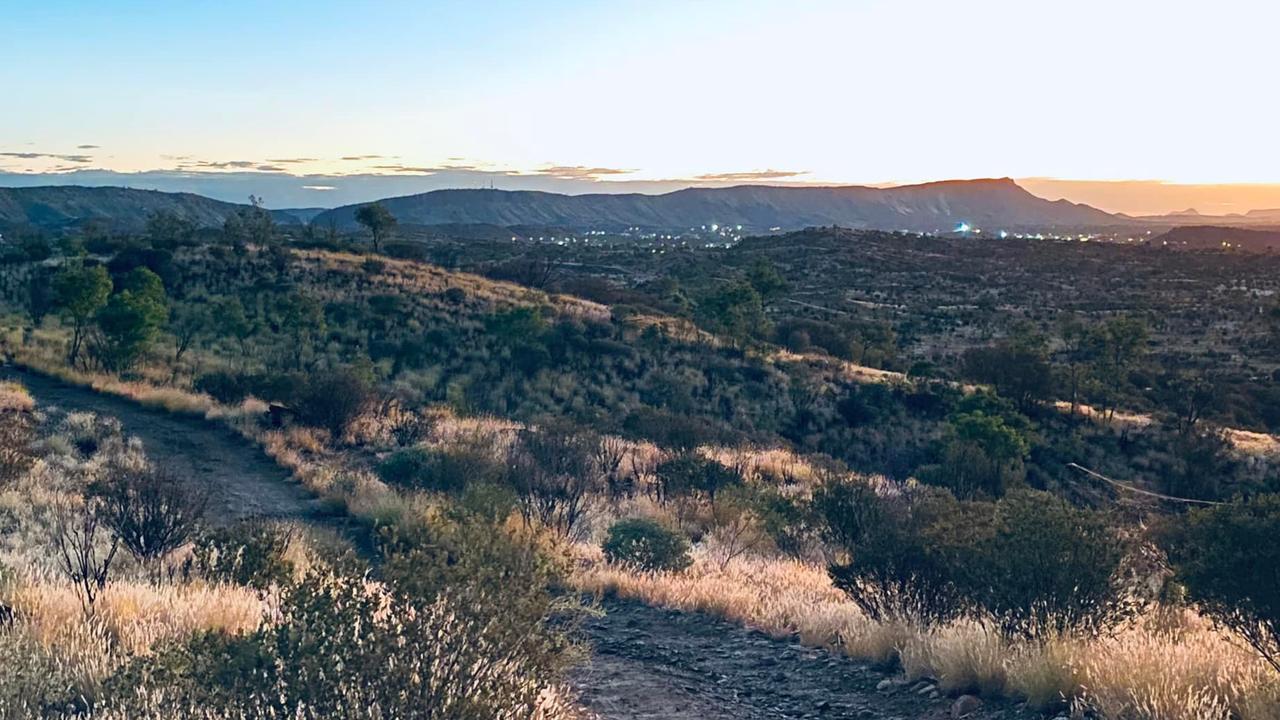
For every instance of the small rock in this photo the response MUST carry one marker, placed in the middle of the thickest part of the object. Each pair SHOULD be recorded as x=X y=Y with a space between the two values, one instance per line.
x=885 y=685
x=965 y=705
x=925 y=689
x=823 y=706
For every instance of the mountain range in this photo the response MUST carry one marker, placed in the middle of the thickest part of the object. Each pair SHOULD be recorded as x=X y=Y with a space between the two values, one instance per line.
x=931 y=207
x=57 y=207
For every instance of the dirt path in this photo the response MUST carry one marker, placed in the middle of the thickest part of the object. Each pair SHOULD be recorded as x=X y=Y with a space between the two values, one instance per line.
x=648 y=664
x=241 y=480
x=651 y=663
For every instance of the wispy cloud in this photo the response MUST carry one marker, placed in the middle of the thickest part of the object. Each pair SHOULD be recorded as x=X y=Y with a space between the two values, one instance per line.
x=48 y=156
x=218 y=164
x=87 y=147
x=292 y=161
x=750 y=175
x=580 y=172
x=320 y=187
x=356 y=158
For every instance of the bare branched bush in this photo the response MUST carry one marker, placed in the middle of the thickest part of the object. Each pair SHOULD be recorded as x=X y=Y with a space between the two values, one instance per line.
x=150 y=511
x=555 y=473
x=85 y=551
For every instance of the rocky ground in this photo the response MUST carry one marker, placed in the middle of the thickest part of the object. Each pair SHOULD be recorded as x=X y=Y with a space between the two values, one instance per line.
x=654 y=663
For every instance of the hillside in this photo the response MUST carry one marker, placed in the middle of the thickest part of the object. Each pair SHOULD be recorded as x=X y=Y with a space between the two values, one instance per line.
x=54 y=207
x=924 y=208
x=1205 y=237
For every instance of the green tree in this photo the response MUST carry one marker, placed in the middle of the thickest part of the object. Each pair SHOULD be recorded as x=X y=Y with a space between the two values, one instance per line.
x=1228 y=559
x=1118 y=346
x=302 y=319
x=190 y=321
x=766 y=280
x=982 y=455
x=1017 y=368
x=230 y=321
x=132 y=320
x=379 y=221
x=735 y=310
x=167 y=229
x=80 y=293
x=1077 y=355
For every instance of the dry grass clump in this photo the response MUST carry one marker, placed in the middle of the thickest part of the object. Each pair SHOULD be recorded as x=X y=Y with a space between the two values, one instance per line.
x=133 y=617
x=783 y=598
x=1145 y=672
x=15 y=398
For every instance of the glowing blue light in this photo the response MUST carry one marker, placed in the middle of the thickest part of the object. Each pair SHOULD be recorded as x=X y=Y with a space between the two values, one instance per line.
x=963 y=227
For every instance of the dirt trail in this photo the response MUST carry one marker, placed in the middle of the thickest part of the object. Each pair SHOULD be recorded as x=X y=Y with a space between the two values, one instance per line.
x=651 y=663
x=647 y=664
x=242 y=482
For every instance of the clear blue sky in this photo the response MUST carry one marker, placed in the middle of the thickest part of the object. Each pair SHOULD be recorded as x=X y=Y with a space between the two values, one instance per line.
x=832 y=90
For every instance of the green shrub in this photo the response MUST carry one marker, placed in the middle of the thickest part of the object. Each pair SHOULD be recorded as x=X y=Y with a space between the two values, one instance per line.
x=1047 y=567
x=646 y=545
x=1228 y=558
x=405 y=468
x=251 y=553
x=1032 y=563
x=224 y=386
x=892 y=572
x=689 y=473
x=333 y=399
x=451 y=470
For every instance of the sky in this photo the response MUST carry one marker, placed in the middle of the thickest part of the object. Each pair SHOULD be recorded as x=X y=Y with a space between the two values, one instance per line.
x=1140 y=106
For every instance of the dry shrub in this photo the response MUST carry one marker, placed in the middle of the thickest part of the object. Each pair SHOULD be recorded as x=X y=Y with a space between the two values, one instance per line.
x=15 y=398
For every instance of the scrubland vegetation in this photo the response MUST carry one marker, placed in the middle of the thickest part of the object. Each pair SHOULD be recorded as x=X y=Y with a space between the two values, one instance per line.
x=505 y=448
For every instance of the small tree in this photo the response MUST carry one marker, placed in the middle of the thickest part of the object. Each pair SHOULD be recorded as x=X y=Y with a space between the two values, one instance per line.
x=689 y=473
x=302 y=318
x=80 y=293
x=190 y=321
x=379 y=221
x=230 y=321
x=767 y=281
x=132 y=320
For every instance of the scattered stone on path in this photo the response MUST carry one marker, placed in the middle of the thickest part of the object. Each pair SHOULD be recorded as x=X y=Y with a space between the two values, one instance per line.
x=965 y=705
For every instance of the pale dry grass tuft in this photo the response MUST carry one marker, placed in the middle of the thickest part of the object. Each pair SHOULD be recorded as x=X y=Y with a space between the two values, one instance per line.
x=15 y=398
x=1145 y=672
x=135 y=616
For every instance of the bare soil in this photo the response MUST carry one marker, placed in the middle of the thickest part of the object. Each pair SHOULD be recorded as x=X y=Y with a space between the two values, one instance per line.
x=241 y=480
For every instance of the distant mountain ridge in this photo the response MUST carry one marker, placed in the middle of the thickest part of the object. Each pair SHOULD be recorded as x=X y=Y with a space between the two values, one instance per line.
x=931 y=207
x=56 y=207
